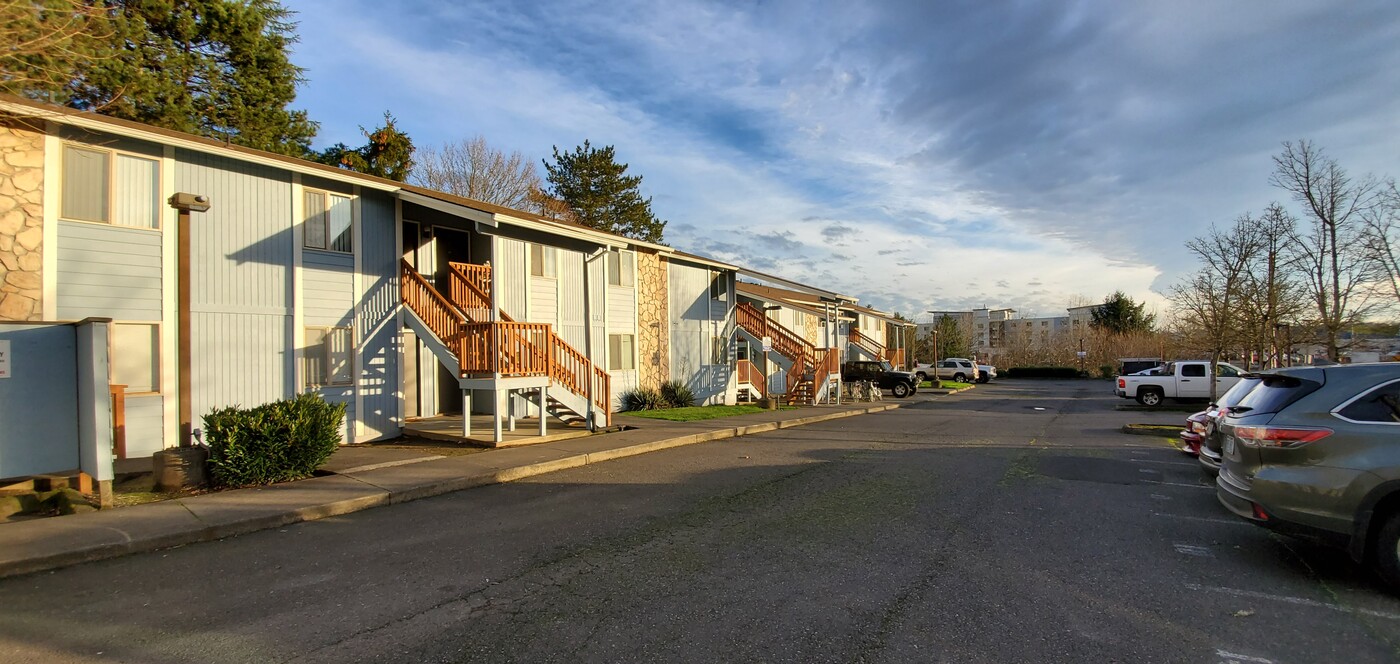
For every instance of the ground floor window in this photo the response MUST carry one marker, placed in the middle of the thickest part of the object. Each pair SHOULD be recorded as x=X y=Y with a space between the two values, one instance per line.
x=135 y=356
x=621 y=356
x=326 y=360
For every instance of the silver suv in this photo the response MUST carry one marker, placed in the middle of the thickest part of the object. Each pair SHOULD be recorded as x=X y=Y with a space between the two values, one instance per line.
x=1315 y=451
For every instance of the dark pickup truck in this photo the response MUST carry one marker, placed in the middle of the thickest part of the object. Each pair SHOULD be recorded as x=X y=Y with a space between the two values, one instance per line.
x=900 y=383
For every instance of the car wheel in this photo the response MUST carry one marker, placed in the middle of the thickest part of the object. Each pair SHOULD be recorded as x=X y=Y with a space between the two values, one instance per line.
x=1387 y=559
x=959 y=378
x=984 y=379
x=1149 y=398
x=900 y=390
x=922 y=376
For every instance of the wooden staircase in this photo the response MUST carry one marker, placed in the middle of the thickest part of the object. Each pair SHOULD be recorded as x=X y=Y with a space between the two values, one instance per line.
x=471 y=344
x=810 y=367
x=871 y=348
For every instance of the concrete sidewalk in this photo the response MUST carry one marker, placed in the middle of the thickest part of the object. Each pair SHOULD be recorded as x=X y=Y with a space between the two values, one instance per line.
x=364 y=478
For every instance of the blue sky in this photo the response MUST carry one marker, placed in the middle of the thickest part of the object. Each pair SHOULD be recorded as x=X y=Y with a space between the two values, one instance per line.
x=919 y=155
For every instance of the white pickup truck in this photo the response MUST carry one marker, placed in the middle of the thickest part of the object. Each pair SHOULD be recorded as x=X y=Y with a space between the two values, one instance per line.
x=1178 y=380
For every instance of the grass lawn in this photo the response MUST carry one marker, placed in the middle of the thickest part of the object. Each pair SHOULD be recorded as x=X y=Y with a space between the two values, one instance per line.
x=695 y=413
x=947 y=385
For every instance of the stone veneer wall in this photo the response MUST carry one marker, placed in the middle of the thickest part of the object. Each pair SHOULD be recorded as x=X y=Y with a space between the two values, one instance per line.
x=813 y=331
x=653 y=320
x=21 y=221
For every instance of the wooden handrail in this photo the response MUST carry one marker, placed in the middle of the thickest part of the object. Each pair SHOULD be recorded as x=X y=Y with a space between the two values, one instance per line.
x=749 y=373
x=785 y=341
x=875 y=348
x=828 y=363
x=441 y=317
x=504 y=347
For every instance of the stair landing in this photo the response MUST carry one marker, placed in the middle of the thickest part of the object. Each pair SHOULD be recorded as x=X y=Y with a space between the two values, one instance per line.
x=449 y=428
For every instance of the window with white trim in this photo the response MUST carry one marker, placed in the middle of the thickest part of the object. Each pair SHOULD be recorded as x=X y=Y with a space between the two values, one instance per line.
x=620 y=352
x=544 y=261
x=620 y=268
x=110 y=187
x=135 y=356
x=327 y=358
x=329 y=222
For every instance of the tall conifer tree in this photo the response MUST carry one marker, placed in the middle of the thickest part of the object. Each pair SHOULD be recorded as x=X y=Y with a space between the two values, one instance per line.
x=600 y=194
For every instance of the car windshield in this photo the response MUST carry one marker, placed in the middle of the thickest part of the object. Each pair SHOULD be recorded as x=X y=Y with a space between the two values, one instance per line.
x=885 y=366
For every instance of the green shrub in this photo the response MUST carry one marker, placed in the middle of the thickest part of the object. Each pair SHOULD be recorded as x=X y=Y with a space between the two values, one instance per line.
x=275 y=442
x=641 y=398
x=677 y=394
x=1107 y=372
x=1042 y=372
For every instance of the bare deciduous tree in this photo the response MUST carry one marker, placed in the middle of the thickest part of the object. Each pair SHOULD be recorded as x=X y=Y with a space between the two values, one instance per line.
x=1382 y=236
x=1272 y=296
x=1208 y=301
x=47 y=41
x=473 y=169
x=1331 y=248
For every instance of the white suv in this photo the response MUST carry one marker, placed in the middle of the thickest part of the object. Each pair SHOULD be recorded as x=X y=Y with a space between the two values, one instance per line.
x=957 y=369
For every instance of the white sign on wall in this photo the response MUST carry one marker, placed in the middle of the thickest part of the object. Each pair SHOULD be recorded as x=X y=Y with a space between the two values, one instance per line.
x=767 y=344
x=5 y=358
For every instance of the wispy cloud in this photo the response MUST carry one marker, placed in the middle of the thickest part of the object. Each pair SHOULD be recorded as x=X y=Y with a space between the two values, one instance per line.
x=1072 y=147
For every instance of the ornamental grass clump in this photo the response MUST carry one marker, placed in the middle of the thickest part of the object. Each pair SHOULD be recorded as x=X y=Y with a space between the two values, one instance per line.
x=275 y=442
x=641 y=398
x=677 y=394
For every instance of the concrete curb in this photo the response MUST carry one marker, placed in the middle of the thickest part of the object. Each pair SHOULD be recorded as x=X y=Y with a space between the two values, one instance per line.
x=100 y=536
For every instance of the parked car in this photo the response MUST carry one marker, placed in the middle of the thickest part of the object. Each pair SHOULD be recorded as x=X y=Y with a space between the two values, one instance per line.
x=1193 y=433
x=1178 y=380
x=985 y=373
x=1209 y=452
x=952 y=368
x=1315 y=451
x=900 y=383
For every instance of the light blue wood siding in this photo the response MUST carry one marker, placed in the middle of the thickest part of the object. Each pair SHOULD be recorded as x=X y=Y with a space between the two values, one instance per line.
x=108 y=271
x=376 y=333
x=328 y=288
x=696 y=319
x=241 y=264
x=145 y=420
x=571 y=298
x=512 y=275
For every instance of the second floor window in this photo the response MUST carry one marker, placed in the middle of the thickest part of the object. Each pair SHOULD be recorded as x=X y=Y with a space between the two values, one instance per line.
x=620 y=272
x=543 y=261
x=110 y=187
x=329 y=221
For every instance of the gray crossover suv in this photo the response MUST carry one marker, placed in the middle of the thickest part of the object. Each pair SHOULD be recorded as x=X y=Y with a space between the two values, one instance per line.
x=1315 y=451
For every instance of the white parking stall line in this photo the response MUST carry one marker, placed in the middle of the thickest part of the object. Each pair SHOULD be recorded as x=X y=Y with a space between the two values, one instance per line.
x=1158 y=496
x=1149 y=470
x=1227 y=657
x=1207 y=519
x=1299 y=601
x=1193 y=486
x=1193 y=550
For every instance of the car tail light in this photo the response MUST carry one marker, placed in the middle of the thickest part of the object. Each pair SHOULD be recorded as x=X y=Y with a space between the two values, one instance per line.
x=1259 y=512
x=1282 y=437
x=1122 y=382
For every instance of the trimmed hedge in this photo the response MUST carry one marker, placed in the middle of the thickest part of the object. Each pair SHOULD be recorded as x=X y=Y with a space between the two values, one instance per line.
x=275 y=442
x=1042 y=372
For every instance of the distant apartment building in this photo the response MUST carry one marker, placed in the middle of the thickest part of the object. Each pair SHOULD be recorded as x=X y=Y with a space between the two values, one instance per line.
x=991 y=329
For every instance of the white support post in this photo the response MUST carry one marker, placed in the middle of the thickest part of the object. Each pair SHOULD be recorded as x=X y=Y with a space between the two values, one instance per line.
x=510 y=409
x=466 y=413
x=496 y=419
x=543 y=396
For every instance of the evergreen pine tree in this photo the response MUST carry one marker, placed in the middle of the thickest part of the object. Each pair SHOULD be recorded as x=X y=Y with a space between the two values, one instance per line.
x=388 y=154
x=216 y=68
x=1119 y=314
x=600 y=195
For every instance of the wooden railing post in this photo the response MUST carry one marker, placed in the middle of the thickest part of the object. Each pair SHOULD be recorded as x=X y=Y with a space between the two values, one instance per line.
x=118 y=420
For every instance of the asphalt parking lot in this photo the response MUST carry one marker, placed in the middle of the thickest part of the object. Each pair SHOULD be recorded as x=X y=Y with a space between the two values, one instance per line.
x=1010 y=523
